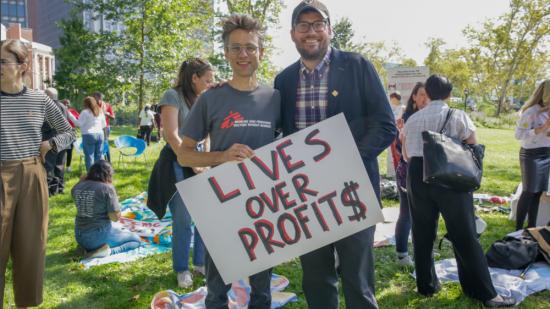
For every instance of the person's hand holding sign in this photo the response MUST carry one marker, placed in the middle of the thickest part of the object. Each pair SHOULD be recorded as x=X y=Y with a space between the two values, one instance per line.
x=189 y=156
x=237 y=152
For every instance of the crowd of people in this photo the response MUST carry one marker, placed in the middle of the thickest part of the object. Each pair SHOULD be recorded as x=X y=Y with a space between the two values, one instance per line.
x=37 y=131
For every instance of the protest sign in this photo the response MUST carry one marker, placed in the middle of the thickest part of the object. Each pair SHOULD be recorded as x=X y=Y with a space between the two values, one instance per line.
x=404 y=79
x=295 y=195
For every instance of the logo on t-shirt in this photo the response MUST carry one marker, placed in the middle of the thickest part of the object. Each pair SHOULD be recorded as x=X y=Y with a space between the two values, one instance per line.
x=230 y=120
x=236 y=120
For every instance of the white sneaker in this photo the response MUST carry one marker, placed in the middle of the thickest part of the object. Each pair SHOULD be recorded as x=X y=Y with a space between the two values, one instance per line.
x=405 y=261
x=200 y=269
x=185 y=279
x=101 y=252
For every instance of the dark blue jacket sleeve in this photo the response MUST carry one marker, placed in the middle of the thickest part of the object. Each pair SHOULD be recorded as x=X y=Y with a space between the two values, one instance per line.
x=379 y=121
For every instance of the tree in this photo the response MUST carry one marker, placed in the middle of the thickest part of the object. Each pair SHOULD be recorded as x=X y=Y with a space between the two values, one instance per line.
x=267 y=13
x=81 y=68
x=512 y=48
x=377 y=52
x=343 y=35
x=153 y=39
x=454 y=64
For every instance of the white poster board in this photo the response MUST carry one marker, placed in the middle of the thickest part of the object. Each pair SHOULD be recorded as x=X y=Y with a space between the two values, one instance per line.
x=404 y=79
x=297 y=194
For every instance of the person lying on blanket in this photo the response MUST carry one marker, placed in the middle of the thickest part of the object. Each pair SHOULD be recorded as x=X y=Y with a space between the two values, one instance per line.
x=97 y=205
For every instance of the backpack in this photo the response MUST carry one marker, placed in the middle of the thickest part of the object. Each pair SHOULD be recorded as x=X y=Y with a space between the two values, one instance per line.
x=512 y=253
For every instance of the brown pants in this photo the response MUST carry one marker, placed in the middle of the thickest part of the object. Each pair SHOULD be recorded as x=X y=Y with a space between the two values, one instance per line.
x=23 y=228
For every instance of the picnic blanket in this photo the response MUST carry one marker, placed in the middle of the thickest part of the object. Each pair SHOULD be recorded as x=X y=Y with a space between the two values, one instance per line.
x=385 y=231
x=506 y=282
x=137 y=218
x=238 y=296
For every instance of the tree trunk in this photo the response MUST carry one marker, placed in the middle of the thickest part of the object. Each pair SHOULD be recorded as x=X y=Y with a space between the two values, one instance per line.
x=141 y=60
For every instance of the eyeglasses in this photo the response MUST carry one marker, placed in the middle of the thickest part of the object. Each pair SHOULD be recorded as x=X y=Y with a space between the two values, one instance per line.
x=318 y=26
x=4 y=61
x=236 y=49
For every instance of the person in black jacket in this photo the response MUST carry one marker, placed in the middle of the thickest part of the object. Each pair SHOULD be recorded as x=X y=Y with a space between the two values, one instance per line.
x=324 y=82
x=55 y=161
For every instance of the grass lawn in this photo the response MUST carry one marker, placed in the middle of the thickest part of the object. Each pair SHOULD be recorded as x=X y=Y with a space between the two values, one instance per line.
x=132 y=285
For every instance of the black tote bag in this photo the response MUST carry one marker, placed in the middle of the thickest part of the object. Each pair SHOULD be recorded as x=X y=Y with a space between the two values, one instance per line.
x=450 y=163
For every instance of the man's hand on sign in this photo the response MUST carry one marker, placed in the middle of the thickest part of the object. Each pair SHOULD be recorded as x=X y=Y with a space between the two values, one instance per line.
x=237 y=152
x=199 y=170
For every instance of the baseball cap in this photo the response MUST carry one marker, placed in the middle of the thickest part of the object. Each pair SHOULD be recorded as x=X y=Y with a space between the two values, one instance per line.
x=396 y=94
x=310 y=5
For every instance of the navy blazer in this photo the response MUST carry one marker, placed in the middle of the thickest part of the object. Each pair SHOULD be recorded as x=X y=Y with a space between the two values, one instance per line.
x=354 y=88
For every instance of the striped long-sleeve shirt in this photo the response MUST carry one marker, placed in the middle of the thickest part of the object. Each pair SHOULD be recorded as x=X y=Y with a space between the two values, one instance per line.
x=21 y=118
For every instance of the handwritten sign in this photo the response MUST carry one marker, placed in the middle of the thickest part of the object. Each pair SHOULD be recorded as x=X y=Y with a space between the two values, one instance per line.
x=404 y=80
x=295 y=195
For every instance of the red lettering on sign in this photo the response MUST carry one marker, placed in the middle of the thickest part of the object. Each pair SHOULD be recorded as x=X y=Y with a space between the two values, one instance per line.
x=246 y=176
x=301 y=181
x=251 y=211
x=283 y=229
x=329 y=198
x=284 y=195
x=222 y=197
x=290 y=167
x=249 y=240
x=263 y=226
x=272 y=173
x=315 y=141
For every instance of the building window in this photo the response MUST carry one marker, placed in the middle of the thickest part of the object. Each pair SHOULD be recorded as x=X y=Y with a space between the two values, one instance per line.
x=12 y=10
x=21 y=10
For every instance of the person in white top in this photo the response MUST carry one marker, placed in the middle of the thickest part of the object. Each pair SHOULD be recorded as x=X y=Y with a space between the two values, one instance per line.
x=428 y=201
x=91 y=123
x=533 y=132
x=146 y=123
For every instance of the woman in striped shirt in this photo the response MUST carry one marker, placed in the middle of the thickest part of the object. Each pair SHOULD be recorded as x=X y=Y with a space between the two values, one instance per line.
x=23 y=188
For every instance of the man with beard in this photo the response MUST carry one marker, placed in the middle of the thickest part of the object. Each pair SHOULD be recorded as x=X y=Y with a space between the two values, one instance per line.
x=325 y=82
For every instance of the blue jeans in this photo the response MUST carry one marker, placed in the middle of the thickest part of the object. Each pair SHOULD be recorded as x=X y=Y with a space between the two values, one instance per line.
x=92 y=145
x=182 y=230
x=403 y=225
x=106 y=133
x=119 y=241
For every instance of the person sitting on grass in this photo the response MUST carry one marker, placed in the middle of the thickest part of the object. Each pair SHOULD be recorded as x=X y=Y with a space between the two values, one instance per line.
x=97 y=205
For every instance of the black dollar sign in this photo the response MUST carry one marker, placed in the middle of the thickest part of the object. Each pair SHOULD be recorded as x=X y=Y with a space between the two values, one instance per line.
x=350 y=198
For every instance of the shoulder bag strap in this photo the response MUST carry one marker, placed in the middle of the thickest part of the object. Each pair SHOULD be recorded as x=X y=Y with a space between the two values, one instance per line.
x=449 y=114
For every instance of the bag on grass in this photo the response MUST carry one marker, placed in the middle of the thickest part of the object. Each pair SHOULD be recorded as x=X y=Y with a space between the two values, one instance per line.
x=542 y=236
x=450 y=163
x=512 y=253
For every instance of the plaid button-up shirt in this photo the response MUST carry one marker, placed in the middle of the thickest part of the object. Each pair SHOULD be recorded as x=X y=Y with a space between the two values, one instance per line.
x=312 y=96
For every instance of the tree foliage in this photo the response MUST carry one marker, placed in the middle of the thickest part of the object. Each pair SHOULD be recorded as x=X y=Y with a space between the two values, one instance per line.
x=82 y=68
x=377 y=52
x=143 y=55
x=267 y=13
x=505 y=57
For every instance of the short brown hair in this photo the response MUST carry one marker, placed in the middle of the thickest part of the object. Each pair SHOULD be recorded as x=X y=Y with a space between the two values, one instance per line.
x=244 y=22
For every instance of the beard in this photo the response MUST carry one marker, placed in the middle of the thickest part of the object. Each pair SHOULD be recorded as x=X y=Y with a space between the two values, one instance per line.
x=313 y=55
